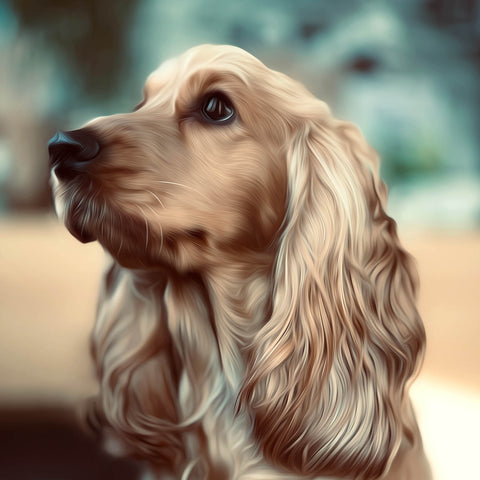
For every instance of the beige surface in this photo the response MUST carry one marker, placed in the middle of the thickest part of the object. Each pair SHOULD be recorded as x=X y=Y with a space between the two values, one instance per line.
x=449 y=301
x=48 y=285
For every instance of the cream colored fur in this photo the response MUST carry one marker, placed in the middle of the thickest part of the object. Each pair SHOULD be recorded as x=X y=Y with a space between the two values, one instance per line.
x=258 y=319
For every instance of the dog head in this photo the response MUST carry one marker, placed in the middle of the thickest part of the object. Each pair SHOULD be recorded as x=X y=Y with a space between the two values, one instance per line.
x=198 y=168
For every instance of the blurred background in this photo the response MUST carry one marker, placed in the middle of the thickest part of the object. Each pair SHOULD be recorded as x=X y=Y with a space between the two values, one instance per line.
x=405 y=71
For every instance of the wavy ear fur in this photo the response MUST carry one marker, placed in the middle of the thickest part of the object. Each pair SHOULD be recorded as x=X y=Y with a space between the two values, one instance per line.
x=138 y=373
x=156 y=361
x=328 y=373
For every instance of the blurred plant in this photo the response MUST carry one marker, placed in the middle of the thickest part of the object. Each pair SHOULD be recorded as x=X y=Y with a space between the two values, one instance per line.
x=89 y=36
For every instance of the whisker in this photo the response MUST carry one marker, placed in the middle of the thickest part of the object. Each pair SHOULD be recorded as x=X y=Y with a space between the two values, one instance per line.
x=120 y=246
x=156 y=197
x=161 y=237
x=184 y=186
x=159 y=224
x=152 y=210
x=146 y=226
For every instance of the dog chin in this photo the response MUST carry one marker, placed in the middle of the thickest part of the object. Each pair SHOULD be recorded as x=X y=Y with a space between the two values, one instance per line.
x=80 y=233
x=84 y=237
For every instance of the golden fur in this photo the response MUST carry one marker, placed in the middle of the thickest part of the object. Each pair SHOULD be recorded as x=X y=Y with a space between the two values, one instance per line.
x=258 y=319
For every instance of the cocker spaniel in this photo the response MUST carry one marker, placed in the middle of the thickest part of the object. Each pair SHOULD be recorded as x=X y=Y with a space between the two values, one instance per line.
x=258 y=318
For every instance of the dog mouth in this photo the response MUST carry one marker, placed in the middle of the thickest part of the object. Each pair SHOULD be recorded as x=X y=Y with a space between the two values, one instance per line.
x=73 y=205
x=79 y=218
x=90 y=214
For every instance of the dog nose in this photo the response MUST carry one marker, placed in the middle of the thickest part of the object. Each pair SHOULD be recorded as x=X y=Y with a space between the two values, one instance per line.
x=70 y=152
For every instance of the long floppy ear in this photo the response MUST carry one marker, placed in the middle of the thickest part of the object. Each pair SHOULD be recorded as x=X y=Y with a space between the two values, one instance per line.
x=327 y=377
x=138 y=371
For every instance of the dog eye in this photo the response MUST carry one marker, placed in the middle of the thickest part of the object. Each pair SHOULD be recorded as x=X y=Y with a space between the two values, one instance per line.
x=218 y=109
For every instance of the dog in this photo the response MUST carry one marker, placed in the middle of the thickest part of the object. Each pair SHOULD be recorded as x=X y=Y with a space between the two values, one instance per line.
x=258 y=317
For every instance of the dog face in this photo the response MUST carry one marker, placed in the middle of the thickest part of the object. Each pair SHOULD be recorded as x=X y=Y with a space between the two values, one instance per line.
x=195 y=170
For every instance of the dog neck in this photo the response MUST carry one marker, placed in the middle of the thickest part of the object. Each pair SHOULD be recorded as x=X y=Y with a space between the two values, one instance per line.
x=240 y=306
x=224 y=306
x=212 y=319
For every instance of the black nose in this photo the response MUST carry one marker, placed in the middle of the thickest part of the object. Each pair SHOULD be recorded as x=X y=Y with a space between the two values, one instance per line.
x=71 y=152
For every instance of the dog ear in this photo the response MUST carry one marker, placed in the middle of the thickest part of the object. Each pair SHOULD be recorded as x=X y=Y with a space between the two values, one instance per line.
x=327 y=375
x=137 y=369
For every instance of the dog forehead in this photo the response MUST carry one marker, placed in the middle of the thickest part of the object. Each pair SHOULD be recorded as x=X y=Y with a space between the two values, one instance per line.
x=225 y=58
x=167 y=71
x=209 y=54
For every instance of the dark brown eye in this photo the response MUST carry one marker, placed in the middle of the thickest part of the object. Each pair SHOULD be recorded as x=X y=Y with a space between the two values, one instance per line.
x=218 y=109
